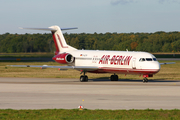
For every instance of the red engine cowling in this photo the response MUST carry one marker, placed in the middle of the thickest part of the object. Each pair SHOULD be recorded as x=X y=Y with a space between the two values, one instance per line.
x=64 y=58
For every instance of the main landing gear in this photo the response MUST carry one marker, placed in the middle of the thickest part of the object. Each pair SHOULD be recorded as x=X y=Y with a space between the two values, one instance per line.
x=84 y=78
x=145 y=80
x=114 y=77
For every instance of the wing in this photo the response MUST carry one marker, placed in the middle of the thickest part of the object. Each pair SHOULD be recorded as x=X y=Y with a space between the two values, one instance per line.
x=167 y=63
x=84 y=68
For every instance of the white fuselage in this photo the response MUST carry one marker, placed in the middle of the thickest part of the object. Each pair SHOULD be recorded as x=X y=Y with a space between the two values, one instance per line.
x=125 y=62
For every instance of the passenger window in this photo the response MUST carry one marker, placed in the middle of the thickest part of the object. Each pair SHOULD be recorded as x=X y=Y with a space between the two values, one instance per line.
x=154 y=59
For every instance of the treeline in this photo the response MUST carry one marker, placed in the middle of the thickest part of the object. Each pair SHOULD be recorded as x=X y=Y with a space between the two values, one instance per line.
x=150 y=42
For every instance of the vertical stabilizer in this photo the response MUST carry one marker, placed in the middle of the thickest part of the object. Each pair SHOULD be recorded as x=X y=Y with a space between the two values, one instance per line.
x=59 y=41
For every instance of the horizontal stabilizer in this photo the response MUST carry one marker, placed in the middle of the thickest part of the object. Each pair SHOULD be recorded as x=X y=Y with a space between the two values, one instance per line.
x=48 y=29
x=69 y=28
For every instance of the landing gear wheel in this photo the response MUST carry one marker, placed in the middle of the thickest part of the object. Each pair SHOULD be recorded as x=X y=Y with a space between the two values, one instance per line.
x=83 y=78
x=145 y=80
x=86 y=78
x=114 y=77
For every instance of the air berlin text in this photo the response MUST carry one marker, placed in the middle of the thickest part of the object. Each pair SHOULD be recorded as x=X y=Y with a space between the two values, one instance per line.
x=115 y=60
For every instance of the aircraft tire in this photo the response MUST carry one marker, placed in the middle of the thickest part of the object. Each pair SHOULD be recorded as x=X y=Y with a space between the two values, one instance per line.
x=116 y=77
x=86 y=78
x=112 y=77
x=83 y=78
x=145 y=80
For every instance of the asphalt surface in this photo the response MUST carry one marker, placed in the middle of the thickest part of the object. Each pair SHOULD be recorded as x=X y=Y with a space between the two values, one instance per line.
x=51 y=93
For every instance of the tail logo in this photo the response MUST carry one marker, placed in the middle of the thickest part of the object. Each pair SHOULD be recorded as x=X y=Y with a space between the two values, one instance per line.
x=61 y=42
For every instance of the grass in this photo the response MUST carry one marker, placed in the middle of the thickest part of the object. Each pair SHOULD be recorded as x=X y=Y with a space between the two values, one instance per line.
x=167 y=72
x=63 y=114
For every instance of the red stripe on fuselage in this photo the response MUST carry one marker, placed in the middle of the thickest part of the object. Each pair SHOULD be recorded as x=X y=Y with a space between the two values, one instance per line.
x=125 y=70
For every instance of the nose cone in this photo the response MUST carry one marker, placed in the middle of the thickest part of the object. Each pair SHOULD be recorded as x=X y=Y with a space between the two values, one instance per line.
x=155 y=66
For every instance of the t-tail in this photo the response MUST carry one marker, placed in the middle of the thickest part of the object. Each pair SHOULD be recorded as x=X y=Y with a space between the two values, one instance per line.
x=59 y=41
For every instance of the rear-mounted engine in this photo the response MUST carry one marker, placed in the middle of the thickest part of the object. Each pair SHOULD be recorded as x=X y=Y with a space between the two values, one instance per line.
x=64 y=58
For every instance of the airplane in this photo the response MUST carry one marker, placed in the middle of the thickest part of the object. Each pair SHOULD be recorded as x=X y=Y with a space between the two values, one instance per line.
x=99 y=61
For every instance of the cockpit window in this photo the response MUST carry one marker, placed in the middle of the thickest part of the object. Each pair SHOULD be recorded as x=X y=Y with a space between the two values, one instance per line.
x=148 y=59
x=154 y=59
x=141 y=59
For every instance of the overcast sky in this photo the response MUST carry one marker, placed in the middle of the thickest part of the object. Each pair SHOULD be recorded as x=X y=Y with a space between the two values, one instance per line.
x=101 y=16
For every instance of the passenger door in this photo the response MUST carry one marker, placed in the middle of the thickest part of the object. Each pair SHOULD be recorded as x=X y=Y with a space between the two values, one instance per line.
x=134 y=63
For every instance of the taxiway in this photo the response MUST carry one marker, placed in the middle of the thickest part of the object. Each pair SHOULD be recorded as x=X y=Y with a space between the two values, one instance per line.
x=51 y=93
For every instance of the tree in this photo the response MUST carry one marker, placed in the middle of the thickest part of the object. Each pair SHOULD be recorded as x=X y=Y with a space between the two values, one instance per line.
x=134 y=45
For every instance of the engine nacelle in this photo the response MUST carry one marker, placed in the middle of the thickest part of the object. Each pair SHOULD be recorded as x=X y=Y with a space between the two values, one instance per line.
x=64 y=58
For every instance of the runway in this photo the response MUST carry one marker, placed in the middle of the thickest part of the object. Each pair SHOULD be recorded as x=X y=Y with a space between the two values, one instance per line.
x=51 y=93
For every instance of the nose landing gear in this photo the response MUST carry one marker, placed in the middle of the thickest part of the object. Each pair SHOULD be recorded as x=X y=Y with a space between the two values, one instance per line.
x=145 y=80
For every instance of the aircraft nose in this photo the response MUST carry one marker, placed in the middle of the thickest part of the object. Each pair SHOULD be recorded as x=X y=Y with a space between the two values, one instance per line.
x=156 y=66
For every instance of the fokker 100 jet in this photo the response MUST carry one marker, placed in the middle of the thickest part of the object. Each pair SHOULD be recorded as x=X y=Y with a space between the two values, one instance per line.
x=98 y=61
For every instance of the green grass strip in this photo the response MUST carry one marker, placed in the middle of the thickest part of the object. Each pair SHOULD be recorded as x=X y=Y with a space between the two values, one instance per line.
x=62 y=114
